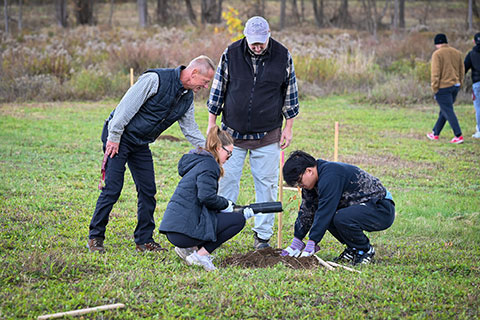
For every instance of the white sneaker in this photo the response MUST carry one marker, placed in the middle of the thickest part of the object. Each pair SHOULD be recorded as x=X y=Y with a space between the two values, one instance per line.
x=204 y=261
x=183 y=253
x=476 y=135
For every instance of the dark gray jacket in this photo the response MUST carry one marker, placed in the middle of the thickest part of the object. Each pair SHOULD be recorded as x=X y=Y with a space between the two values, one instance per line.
x=193 y=207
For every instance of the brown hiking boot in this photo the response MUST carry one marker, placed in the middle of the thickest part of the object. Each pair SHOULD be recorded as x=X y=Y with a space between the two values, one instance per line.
x=151 y=246
x=258 y=243
x=96 y=245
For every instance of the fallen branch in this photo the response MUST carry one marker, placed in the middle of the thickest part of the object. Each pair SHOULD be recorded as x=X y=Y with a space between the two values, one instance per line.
x=82 y=311
x=333 y=264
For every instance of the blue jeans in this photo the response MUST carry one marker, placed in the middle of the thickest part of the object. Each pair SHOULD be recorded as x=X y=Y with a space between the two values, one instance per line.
x=264 y=165
x=476 y=102
x=140 y=163
x=445 y=98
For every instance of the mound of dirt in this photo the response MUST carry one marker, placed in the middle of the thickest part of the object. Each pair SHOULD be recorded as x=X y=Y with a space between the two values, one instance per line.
x=168 y=137
x=268 y=258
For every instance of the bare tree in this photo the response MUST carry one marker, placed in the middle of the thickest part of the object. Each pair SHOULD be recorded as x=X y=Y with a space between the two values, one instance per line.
x=162 y=12
x=302 y=10
x=20 y=15
x=110 y=15
x=296 y=15
x=191 y=14
x=401 y=14
x=142 y=13
x=423 y=18
x=61 y=13
x=259 y=8
x=283 y=6
x=342 y=18
x=470 y=15
x=211 y=11
x=475 y=9
x=370 y=9
x=396 y=14
x=318 y=13
x=84 y=11
x=5 y=12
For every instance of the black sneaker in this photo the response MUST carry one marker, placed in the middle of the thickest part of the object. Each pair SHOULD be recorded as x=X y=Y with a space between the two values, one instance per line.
x=363 y=257
x=96 y=245
x=151 y=246
x=347 y=255
x=260 y=243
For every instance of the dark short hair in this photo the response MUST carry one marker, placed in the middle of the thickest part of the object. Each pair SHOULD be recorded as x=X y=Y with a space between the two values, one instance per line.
x=295 y=166
x=476 y=38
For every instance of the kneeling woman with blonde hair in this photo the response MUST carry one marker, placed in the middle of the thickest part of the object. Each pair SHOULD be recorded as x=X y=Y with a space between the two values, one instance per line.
x=197 y=220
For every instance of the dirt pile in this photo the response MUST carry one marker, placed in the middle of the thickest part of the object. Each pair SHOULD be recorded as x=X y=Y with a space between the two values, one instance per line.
x=267 y=258
x=168 y=137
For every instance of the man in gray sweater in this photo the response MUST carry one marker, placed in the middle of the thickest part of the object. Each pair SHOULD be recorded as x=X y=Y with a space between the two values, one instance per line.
x=158 y=99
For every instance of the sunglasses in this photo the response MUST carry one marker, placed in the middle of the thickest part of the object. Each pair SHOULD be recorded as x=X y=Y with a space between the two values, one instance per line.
x=229 y=153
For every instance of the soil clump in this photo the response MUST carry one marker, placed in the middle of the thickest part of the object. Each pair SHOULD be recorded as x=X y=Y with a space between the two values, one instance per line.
x=269 y=257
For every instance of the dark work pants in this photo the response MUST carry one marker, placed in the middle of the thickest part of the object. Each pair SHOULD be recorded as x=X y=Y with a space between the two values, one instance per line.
x=349 y=223
x=140 y=163
x=228 y=225
x=445 y=98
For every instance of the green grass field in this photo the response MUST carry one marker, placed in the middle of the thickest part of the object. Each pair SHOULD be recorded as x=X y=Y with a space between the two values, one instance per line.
x=428 y=262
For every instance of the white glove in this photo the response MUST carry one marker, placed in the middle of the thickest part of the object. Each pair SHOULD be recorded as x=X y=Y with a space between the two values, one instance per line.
x=248 y=213
x=307 y=254
x=229 y=208
x=288 y=251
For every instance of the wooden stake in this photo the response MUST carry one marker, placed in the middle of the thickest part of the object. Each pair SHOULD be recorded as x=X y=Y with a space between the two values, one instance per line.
x=82 y=311
x=131 y=77
x=335 y=150
x=323 y=263
x=333 y=264
x=280 y=195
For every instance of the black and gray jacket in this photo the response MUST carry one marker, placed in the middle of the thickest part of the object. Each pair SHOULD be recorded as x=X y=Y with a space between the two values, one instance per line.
x=340 y=185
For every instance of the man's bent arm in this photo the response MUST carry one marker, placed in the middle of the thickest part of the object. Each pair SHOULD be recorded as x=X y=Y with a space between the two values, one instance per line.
x=190 y=128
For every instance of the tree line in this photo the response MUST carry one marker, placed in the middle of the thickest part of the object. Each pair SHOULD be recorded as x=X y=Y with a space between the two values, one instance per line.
x=291 y=12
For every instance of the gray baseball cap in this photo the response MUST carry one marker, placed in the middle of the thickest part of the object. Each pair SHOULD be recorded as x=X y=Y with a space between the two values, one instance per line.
x=256 y=30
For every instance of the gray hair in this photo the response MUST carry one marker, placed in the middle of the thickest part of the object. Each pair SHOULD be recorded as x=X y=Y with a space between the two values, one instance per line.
x=203 y=63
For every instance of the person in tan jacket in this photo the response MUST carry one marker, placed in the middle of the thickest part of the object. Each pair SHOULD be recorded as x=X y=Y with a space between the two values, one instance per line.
x=447 y=71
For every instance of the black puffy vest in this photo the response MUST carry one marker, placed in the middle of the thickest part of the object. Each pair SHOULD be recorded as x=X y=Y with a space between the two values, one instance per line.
x=161 y=110
x=254 y=104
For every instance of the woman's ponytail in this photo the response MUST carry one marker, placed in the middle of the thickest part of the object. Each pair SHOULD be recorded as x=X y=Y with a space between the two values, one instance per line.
x=217 y=137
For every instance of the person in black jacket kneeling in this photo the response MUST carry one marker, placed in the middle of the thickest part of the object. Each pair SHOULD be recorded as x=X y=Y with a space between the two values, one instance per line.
x=340 y=198
x=197 y=220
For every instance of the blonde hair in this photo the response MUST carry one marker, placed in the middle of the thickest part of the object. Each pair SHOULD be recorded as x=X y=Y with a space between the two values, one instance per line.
x=217 y=137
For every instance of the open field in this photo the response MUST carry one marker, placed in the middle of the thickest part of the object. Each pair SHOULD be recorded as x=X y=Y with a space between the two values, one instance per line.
x=428 y=262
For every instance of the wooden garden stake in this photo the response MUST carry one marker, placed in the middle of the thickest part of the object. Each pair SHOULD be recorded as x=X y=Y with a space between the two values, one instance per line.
x=131 y=77
x=335 y=150
x=333 y=264
x=323 y=263
x=81 y=311
x=280 y=194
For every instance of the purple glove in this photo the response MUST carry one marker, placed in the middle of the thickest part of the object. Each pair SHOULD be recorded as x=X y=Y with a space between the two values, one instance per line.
x=294 y=249
x=310 y=249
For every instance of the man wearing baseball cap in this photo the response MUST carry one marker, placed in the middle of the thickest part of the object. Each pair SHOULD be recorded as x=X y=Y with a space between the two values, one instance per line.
x=254 y=89
x=447 y=77
x=472 y=61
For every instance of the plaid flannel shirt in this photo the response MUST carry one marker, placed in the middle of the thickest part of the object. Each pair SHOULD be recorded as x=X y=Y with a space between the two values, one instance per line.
x=217 y=93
